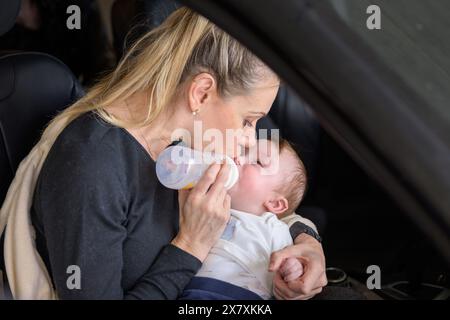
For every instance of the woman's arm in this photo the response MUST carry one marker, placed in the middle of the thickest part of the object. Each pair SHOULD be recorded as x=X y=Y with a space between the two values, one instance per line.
x=82 y=201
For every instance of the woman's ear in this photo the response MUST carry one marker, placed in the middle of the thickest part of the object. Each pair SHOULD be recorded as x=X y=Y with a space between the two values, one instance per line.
x=200 y=90
x=277 y=205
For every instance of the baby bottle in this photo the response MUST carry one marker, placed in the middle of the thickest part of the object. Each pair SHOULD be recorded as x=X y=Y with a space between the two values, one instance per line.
x=180 y=167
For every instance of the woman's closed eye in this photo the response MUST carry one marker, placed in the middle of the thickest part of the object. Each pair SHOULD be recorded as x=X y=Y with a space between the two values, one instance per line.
x=247 y=123
x=250 y=122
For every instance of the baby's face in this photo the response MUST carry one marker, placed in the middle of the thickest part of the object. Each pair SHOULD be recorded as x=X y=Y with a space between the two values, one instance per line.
x=257 y=190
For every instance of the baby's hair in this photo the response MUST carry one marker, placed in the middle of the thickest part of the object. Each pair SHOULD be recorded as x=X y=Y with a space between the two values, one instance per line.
x=295 y=186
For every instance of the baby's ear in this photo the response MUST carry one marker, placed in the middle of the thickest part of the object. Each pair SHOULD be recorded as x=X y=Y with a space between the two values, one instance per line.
x=277 y=205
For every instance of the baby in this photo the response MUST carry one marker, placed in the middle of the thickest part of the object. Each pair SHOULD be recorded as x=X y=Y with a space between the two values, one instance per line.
x=268 y=191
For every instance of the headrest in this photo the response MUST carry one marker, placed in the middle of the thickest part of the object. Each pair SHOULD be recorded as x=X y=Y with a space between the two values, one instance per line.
x=9 y=9
x=33 y=88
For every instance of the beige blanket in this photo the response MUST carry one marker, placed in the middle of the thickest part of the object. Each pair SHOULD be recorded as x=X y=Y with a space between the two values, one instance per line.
x=27 y=275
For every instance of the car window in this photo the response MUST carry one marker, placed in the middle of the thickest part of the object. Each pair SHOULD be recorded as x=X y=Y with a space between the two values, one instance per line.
x=413 y=40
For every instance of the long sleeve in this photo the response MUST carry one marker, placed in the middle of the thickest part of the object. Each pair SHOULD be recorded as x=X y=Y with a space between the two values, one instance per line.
x=83 y=206
x=280 y=236
x=167 y=277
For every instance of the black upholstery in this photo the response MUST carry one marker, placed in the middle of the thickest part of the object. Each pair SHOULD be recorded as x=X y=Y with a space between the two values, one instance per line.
x=131 y=18
x=33 y=88
x=8 y=13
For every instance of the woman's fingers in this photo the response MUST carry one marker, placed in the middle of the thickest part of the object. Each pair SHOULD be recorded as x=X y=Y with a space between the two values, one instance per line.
x=312 y=278
x=220 y=198
x=204 y=212
x=277 y=257
x=227 y=202
x=280 y=296
x=277 y=294
x=207 y=179
x=323 y=281
x=276 y=260
x=282 y=293
x=309 y=296
x=182 y=196
x=219 y=184
x=282 y=287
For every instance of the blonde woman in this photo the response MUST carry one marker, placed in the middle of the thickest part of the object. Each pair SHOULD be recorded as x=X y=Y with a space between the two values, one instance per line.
x=97 y=203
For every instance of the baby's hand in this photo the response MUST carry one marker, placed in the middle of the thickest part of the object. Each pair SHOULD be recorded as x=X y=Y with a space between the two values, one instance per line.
x=291 y=269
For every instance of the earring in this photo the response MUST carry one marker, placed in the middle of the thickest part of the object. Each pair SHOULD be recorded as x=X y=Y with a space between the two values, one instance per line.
x=195 y=112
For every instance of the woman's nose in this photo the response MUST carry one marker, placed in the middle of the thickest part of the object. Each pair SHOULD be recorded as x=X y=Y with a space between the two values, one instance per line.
x=252 y=140
x=248 y=140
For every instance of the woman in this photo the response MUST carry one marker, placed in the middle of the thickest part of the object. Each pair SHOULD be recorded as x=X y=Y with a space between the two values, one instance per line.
x=98 y=204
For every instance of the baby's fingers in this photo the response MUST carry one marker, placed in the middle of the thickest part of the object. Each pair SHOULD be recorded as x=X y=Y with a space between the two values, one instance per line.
x=293 y=274
x=291 y=269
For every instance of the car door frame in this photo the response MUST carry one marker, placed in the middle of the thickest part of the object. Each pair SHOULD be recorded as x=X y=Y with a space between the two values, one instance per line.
x=359 y=101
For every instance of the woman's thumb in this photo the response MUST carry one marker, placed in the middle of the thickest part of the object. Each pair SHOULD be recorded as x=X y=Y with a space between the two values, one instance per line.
x=276 y=259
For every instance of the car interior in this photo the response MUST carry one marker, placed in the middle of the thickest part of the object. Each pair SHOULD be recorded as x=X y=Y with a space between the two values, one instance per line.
x=360 y=223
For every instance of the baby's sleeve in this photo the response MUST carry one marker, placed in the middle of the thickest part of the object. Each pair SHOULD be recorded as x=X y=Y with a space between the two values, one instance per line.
x=281 y=237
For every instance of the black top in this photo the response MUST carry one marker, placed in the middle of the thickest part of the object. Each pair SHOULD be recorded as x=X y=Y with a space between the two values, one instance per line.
x=98 y=205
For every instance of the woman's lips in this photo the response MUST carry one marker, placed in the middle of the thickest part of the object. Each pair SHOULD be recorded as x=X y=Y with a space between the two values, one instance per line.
x=239 y=160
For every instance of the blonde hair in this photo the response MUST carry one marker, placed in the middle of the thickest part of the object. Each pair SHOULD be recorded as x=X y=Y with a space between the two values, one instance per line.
x=184 y=45
x=294 y=186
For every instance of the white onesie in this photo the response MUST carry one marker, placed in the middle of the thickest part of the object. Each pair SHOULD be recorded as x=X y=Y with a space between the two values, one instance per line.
x=241 y=257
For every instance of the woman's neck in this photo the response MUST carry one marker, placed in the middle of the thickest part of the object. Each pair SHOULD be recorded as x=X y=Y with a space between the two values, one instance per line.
x=156 y=136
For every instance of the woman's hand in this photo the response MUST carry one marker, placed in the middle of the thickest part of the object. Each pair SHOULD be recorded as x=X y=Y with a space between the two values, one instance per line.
x=309 y=251
x=204 y=212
